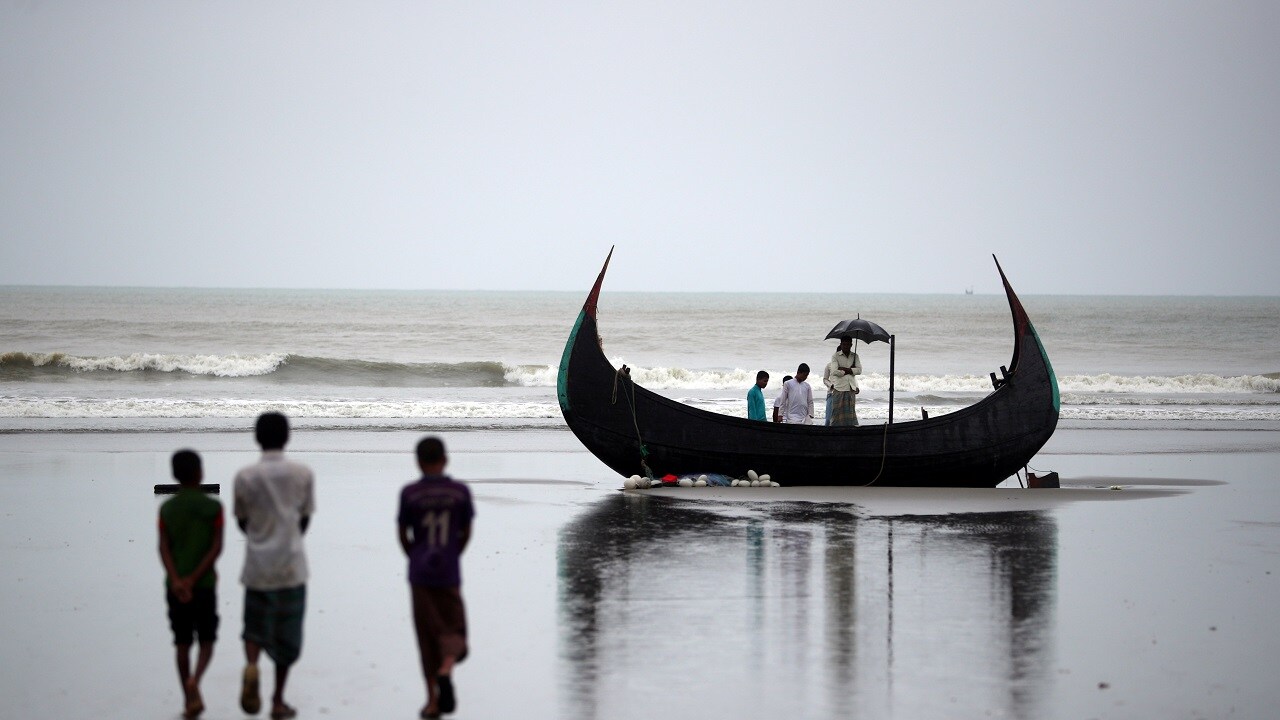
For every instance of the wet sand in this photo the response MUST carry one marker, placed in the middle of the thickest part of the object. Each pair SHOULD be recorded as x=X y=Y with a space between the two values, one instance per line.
x=1152 y=600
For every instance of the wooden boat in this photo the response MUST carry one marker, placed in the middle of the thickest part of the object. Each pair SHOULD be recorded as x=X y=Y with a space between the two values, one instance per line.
x=636 y=431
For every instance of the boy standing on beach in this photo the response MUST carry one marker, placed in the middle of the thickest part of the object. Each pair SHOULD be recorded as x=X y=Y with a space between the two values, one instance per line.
x=190 y=542
x=435 y=525
x=274 y=502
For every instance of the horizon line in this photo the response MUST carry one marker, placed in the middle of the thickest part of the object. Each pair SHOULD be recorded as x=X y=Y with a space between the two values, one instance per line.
x=962 y=293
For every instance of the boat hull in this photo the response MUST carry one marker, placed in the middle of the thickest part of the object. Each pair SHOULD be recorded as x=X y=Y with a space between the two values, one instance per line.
x=635 y=431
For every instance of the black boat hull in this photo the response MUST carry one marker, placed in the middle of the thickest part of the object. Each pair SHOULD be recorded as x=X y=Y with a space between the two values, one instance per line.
x=633 y=430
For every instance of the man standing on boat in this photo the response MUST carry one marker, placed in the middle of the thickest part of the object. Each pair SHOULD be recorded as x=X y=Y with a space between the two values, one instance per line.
x=755 y=398
x=795 y=403
x=842 y=375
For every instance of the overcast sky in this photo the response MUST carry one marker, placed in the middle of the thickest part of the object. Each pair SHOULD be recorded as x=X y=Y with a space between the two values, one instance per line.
x=1095 y=147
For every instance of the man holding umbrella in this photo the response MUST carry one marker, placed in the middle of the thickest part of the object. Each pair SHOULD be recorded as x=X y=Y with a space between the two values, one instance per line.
x=845 y=367
x=841 y=378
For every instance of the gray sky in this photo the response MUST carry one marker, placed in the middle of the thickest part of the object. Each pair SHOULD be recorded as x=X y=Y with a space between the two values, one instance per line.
x=1096 y=147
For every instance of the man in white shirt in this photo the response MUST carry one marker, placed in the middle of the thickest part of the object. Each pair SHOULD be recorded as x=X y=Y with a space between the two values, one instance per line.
x=274 y=502
x=841 y=377
x=795 y=404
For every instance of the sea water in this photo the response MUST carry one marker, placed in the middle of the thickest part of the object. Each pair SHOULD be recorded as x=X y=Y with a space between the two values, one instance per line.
x=116 y=359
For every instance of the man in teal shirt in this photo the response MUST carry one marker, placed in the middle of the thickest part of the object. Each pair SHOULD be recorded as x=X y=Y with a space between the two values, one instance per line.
x=755 y=398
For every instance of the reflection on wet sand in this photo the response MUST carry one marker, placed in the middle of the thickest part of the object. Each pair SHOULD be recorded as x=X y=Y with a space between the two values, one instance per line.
x=677 y=609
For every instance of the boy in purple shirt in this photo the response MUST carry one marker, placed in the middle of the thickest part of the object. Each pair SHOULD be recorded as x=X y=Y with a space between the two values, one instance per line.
x=435 y=525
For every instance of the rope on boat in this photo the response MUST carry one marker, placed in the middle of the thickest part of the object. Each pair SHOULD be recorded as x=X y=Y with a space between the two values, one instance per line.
x=884 y=450
x=644 y=451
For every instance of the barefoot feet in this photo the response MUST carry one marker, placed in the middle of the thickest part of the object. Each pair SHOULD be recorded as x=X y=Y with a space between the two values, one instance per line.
x=250 y=700
x=448 y=701
x=194 y=703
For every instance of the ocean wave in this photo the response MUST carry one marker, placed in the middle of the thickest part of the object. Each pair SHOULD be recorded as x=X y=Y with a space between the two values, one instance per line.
x=665 y=378
x=284 y=368
x=244 y=408
x=13 y=365
x=466 y=410
x=1182 y=399
x=1101 y=383
x=278 y=367
x=937 y=400
x=1198 y=383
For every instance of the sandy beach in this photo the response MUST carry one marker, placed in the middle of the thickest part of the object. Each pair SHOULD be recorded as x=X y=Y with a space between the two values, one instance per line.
x=1150 y=600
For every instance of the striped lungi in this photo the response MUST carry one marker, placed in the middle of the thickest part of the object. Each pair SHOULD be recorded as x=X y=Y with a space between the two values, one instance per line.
x=273 y=621
x=844 y=409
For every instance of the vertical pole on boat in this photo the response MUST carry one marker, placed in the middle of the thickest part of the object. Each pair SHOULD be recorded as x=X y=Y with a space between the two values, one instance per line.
x=891 y=338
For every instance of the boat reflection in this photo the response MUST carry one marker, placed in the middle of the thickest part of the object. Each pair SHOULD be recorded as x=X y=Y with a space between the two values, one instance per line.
x=671 y=609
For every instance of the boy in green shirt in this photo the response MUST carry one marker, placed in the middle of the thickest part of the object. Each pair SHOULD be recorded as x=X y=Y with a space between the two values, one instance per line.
x=190 y=542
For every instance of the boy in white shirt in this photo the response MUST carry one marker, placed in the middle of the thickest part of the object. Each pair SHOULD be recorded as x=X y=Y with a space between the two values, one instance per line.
x=795 y=404
x=274 y=502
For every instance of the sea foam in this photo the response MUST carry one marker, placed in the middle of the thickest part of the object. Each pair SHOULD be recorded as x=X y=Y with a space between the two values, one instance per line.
x=213 y=365
x=20 y=407
x=392 y=410
x=288 y=368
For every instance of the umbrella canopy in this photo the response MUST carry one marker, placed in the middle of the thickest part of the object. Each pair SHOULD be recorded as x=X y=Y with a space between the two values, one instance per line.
x=858 y=329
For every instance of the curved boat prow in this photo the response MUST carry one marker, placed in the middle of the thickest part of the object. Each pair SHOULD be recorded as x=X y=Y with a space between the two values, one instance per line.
x=1020 y=321
x=1022 y=327
x=589 y=307
x=588 y=313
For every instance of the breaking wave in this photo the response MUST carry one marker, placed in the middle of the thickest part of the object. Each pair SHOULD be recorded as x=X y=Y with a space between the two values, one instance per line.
x=277 y=367
x=14 y=365
x=285 y=368
x=246 y=408
x=390 y=411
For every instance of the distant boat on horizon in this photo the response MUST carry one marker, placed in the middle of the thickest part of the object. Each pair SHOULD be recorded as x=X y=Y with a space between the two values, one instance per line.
x=968 y=290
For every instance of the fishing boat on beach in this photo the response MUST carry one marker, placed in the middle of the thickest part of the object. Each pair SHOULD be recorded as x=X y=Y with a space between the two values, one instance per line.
x=636 y=431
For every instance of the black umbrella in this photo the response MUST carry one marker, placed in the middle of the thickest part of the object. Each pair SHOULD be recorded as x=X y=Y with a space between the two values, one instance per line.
x=858 y=329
